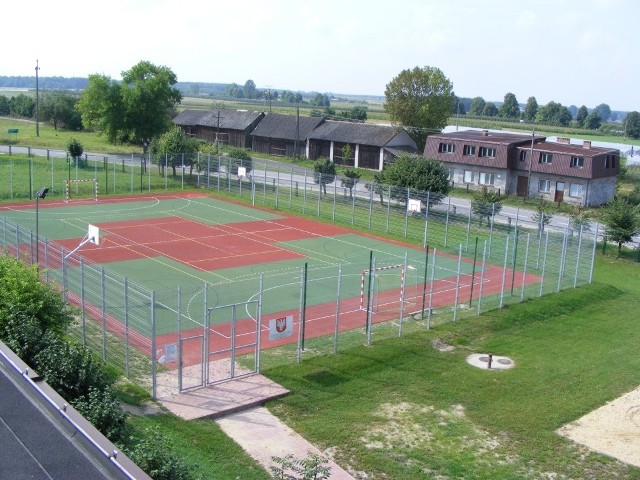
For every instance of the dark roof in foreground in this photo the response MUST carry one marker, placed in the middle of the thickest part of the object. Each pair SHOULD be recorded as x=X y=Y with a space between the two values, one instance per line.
x=228 y=120
x=351 y=132
x=277 y=125
x=38 y=441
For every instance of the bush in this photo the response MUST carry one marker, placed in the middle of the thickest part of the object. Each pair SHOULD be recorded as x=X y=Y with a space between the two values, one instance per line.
x=153 y=455
x=70 y=369
x=24 y=294
x=24 y=335
x=103 y=411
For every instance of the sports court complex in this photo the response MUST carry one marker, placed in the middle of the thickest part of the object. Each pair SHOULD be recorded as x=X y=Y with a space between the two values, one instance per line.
x=179 y=281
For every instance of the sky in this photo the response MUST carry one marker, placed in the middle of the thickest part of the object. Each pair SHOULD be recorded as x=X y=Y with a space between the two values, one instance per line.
x=574 y=52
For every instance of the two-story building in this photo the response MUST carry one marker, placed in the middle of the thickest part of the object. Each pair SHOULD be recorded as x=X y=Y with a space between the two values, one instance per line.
x=528 y=165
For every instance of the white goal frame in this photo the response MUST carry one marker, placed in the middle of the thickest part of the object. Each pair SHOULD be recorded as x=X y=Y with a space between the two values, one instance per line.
x=70 y=182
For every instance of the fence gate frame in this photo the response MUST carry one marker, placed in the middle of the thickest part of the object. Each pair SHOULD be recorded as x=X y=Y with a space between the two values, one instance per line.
x=210 y=343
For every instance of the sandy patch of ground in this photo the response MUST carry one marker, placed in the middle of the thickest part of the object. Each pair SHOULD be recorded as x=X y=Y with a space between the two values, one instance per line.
x=613 y=429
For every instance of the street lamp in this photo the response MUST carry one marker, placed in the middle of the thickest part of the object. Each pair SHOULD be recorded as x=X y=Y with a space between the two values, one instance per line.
x=39 y=194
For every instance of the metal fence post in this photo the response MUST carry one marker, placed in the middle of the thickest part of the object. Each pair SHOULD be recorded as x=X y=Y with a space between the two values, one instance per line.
x=337 y=321
x=126 y=326
x=524 y=273
x=484 y=258
x=103 y=312
x=544 y=263
x=457 y=292
x=154 y=366
x=504 y=270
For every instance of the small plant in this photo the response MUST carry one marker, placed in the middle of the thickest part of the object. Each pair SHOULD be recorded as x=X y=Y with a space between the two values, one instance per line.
x=290 y=468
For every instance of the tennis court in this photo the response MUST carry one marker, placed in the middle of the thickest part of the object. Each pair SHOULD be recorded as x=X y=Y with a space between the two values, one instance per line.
x=218 y=266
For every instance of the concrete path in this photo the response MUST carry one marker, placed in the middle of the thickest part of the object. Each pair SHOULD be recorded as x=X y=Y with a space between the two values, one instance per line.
x=263 y=436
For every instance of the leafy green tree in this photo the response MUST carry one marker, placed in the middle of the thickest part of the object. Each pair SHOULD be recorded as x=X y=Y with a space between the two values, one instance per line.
x=593 y=121
x=486 y=204
x=355 y=113
x=4 y=106
x=22 y=106
x=173 y=149
x=580 y=221
x=632 y=125
x=239 y=157
x=490 y=110
x=510 y=107
x=543 y=214
x=23 y=292
x=427 y=176
x=421 y=100
x=531 y=109
x=457 y=106
x=554 y=113
x=75 y=151
x=477 y=106
x=604 y=111
x=249 y=89
x=622 y=222
x=350 y=179
x=138 y=107
x=59 y=108
x=581 y=116
x=324 y=172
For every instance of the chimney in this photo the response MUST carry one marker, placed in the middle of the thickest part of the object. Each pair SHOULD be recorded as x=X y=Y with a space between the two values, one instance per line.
x=586 y=144
x=564 y=140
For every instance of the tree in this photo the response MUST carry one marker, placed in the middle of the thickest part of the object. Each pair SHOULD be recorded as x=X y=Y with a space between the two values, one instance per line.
x=239 y=157
x=543 y=214
x=581 y=116
x=355 y=113
x=490 y=110
x=249 y=89
x=632 y=125
x=350 y=179
x=59 y=108
x=173 y=149
x=593 y=121
x=22 y=106
x=457 y=106
x=622 y=222
x=4 y=106
x=580 y=221
x=477 y=106
x=421 y=100
x=138 y=107
x=531 y=109
x=554 y=113
x=486 y=204
x=604 y=111
x=427 y=176
x=510 y=107
x=324 y=172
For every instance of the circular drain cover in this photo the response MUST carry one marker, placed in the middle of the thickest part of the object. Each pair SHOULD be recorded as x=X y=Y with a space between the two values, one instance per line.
x=504 y=361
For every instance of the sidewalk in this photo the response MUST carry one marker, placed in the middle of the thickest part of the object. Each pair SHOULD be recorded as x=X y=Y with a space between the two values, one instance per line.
x=236 y=405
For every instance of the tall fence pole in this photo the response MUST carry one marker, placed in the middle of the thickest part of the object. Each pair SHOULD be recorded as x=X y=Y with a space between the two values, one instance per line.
x=433 y=277
x=484 y=258
x=504 y=270
x=457 y=292
x=544 y=262
x=593 y=253
x=337 y=321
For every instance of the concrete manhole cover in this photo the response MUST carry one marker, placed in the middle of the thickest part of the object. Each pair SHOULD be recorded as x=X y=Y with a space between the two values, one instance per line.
x=489 y=361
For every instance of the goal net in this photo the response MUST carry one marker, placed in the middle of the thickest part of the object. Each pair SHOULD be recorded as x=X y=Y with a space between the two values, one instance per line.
x=81 y=190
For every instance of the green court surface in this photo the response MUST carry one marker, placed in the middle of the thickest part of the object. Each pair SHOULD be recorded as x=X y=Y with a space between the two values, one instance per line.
x=345 y=256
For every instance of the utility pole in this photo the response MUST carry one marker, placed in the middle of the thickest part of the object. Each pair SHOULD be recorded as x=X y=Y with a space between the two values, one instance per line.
x=533 y=136
x=37 y=102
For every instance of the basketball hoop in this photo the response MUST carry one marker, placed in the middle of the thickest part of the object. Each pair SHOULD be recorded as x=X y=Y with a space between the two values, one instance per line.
x=92 y=236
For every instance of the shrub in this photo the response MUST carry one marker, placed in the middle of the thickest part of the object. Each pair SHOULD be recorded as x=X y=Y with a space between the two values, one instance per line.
x=103 y=411
x=153 y=455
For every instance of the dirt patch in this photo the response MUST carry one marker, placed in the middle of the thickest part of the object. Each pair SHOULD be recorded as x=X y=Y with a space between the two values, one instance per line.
x=613 y=429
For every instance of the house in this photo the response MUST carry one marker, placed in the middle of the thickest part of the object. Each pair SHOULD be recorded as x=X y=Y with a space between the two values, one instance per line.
x=528 y=165
x=372 y=146
x=283 y=135
x=230 y=127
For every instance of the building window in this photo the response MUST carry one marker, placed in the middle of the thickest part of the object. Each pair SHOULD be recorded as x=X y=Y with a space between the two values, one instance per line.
x=468 y=176
x=487 y=178
x=523 y=155
x=610 y=161
x=575 y=190
x=469 y=150
x=545 y=157
x=577 y=162
x=544 y=186
x=446 y=148
x=487 y=152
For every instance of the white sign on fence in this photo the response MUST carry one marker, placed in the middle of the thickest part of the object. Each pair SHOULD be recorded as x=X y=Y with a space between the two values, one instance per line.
x=281 y=327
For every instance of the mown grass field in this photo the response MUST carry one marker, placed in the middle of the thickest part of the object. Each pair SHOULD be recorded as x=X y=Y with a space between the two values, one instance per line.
x=402 y=409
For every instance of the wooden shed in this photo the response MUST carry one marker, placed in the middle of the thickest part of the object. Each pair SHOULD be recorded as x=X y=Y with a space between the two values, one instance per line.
x=230 y=127
x=283 y=135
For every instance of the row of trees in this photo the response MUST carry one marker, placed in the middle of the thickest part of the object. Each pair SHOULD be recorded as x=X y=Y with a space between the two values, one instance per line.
x=55 y=107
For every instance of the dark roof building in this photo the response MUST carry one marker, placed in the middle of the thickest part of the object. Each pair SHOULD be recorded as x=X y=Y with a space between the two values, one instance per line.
x=371 y=145
x=229 y=127
x=283 y=135
x=528 y=165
